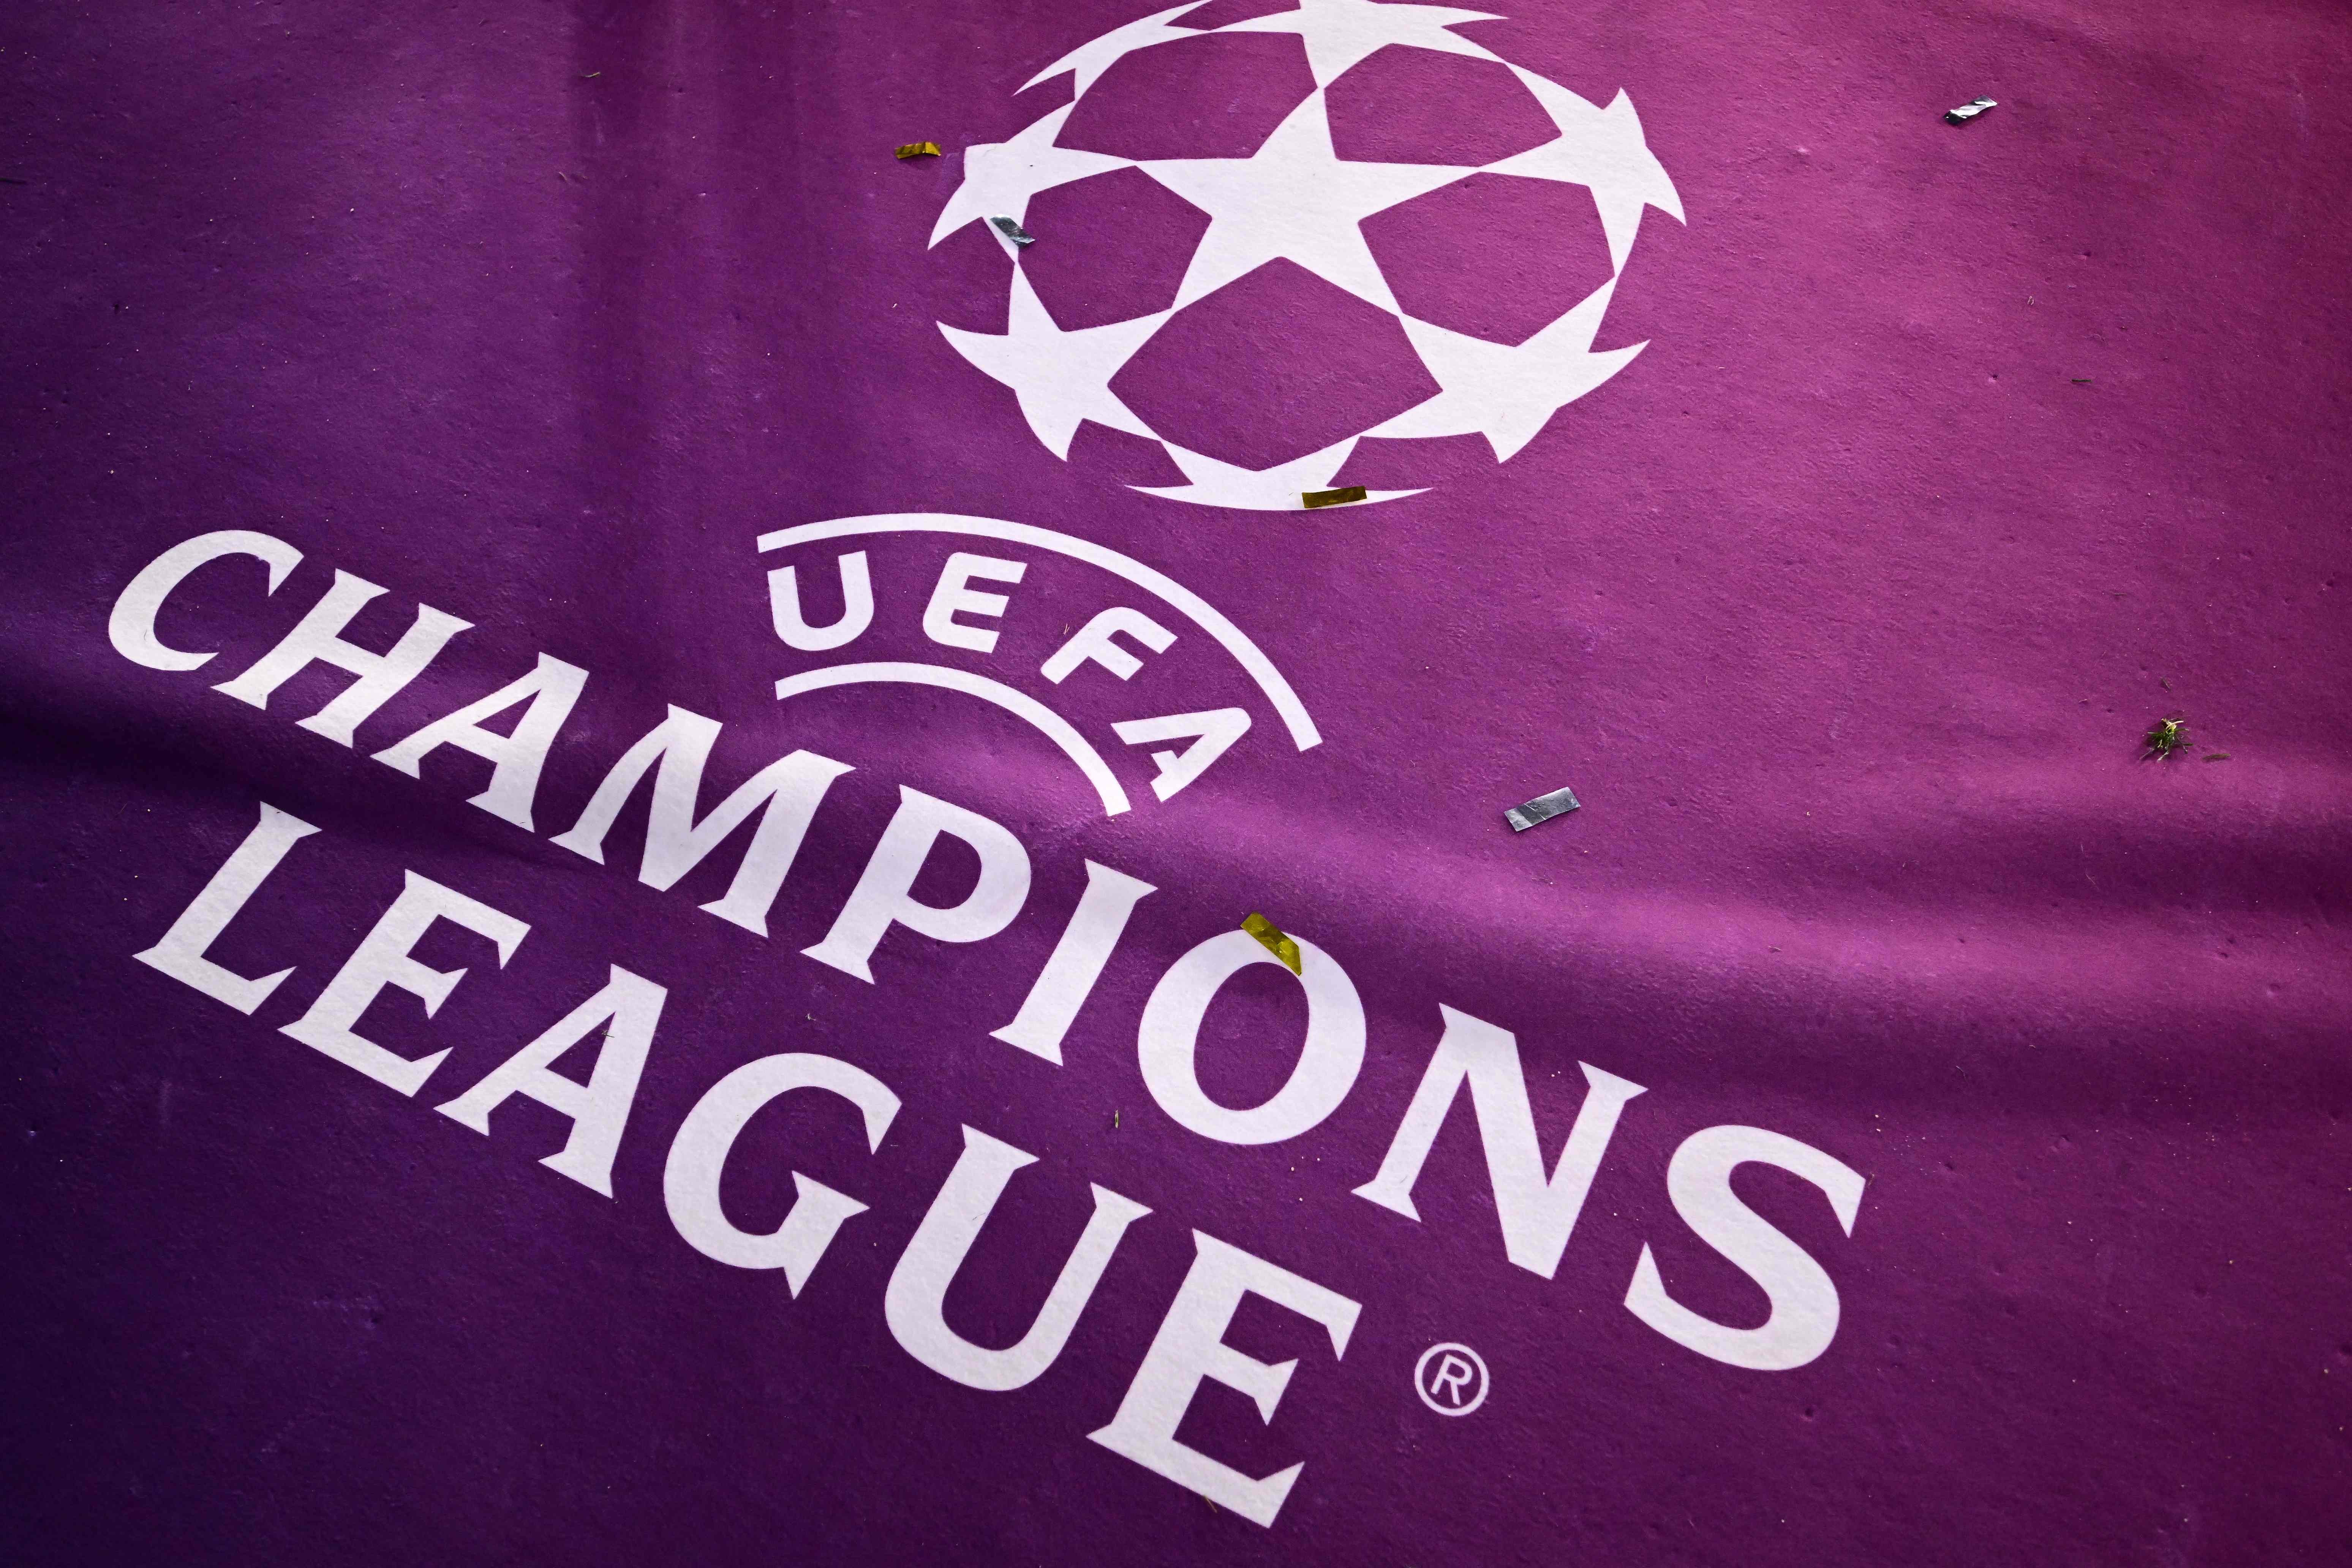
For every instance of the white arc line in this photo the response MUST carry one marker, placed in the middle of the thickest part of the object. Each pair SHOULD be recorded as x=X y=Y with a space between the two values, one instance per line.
x=1020 y=705
x=1206 y=616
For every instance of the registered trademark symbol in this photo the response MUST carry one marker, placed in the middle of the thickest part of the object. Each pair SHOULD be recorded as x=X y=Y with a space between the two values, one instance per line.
x=1451 y=1379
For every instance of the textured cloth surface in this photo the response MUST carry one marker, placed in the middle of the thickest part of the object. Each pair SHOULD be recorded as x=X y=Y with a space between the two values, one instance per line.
x=1958 y=457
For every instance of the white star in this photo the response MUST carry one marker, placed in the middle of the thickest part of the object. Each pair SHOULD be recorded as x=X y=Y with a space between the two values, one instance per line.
x=1277 y=488
x=1090 y=60
x=1602 y=149
x=1293 y=198
x=1060 y=377
x=1508 y=393
x=999 y=177
x=1338 y=33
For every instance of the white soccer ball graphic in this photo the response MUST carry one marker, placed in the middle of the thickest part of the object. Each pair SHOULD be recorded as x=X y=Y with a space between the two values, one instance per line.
x=1298 y=218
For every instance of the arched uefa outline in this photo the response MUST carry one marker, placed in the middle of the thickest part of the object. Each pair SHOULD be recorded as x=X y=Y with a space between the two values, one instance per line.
x=1420 y=1385
x=1020 y=704
x=1066 y=737
x=1248 y=654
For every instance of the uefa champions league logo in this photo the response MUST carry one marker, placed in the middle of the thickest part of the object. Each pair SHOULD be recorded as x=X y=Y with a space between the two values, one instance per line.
x=1297 y=205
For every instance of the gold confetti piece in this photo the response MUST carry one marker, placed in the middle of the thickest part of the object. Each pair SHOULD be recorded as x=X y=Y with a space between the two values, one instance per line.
x=2219 y=757
x=919 y=149
x=1339 y=497
x=1275 y=942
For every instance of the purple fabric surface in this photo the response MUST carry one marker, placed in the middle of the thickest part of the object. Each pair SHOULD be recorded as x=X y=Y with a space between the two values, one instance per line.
x=1956 y=458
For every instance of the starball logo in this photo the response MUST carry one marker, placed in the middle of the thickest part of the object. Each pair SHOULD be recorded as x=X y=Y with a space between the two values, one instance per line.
x=1264 y=174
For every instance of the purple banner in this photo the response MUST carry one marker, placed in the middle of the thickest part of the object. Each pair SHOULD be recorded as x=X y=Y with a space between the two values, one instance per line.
x=1344 y=783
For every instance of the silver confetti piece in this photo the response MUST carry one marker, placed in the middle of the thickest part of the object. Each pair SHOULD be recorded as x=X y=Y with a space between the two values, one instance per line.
x=1543 y=808
x=1013 y=231
x=1959 y=116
